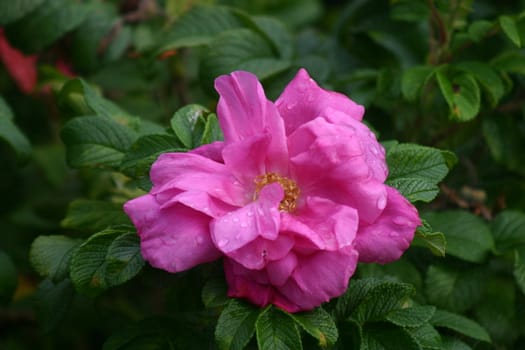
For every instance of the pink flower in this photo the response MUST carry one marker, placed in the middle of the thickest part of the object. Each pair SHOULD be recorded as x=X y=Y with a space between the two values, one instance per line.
x=292 y=199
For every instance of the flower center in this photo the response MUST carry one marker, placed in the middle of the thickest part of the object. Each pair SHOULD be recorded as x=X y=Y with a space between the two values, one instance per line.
x=291 y=190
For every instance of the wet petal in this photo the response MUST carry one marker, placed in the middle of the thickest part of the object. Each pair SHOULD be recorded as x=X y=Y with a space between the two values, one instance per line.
x=258 y=253
x=386 y=239
x=211 y=151
x=280 y=270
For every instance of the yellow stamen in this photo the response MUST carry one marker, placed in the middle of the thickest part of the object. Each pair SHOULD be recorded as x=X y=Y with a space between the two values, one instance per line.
x=291 y=190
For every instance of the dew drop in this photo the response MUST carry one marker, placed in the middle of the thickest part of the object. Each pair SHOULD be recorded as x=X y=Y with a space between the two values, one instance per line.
x=199 y=240
x=235 y=219
x=238 y=236
x=261 y=211
x=250 y=213
x=225 y=220
x=394 y=234
x=400 y=220
x=222 y=243
x=381 y=202
x=244 y=225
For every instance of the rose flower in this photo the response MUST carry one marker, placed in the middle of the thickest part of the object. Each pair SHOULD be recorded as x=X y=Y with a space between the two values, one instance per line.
x=291 y=200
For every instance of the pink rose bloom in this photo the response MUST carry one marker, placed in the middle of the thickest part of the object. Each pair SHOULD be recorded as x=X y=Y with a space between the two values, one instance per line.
x=292 y=199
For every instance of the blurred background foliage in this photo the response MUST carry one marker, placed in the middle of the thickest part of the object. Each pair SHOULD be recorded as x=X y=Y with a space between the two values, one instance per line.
x=446 y=74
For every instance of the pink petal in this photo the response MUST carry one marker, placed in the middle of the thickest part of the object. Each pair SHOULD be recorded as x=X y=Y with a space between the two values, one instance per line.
x=386 y=239
x=200 y=201
x=259 y=218
x=319 y=277
x=173 y=239
x=258 y=253
x=188 y=171
x=280 y=270
x=211 y=151
x=303 y=100
x=244 y=111
x=328 y=225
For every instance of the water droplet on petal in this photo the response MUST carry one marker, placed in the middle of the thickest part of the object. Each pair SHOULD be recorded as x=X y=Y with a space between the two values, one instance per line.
x=394 y=234
x=381 y=202
x=400 y=220
x=222 y=243
x=250 y=213
x=200 y=240
x=238 y=236
x=244 y=225
x=261 y=211
x=235 y=219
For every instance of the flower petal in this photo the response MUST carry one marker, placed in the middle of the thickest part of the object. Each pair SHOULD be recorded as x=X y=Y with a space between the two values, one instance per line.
x=256 y=254
x=303 y=100
x=259 y=218
x=334 y=269
x=211 y=151
x=173 y=239
x=200 y=201
x=244 y=111
x=280 y=270
x=386 y=239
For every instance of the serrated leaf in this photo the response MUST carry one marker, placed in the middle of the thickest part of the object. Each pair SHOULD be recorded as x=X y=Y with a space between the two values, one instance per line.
x=468 y=236
x=426 y=237
x=276 y=330
x=8 y=278
x=50 y=255
x=199 y=26
x=426 y=336
x=52 y=301
x=519 y=267
x=460 y=324
x=93 y=141
x=414 y=79
x=94 y=215
x=354 y=295
x=385 y=336
x=454 y=289
x=241 y=49
x=462 y=95
x=508 y=229
x=14 y=10
x=414 y=316
x=106 y=259
x=236 y=325
x=143 y=152
x=319 y=324
x=505 y=138
x=11 y=134
x=214 y=293
x=416 y=170
x=487 y=77
x=277 y=34
x=46 y=24
x=185 y=122
x=510 y=28
x=452 y=343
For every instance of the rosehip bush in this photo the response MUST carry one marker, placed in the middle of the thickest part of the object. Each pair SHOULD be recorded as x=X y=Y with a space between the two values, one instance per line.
x=262 y=175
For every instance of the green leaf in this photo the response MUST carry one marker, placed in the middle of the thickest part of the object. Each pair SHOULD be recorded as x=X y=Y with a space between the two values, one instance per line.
x=487 y=77
x=51 y=255
x=452 y=343
x=460 y=324
x=10 y=133
x=519 y=267
x=416 y=170
x=199 y=26
x=414 y=316
x=354 y=295
x=94 y=215
x=277 y=33
x=477 y=30
x=414 y=79
x=468 y=236
x=241 y=49
x=52 y=301
x=214 y=293
x=93 y=141
x=106 y=259
x=185 y=123
x=510 y=62
x=276 y=330
x=319 y=324
x=505 y=136
x=508 y=229
x=14 y=10
x=236 y=325
x=510 y=28
x=454 y=289
x=386 y=336
x=8 y=278
x=426 y=237
x=426 y=336
x=212 y=130
x=143 y=152
x=46 y=24
x=462 y=95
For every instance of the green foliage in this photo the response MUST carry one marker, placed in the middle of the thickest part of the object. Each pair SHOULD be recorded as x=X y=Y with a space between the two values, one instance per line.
x=8 y=279
x=10 y=133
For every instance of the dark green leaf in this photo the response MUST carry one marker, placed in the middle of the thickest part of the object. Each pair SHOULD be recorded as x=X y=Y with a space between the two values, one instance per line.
x=519 y=267
x=277 y=331
x=277 y=34
x=426 y=237
x=14 y=10
x=426 y=336
x=454 y=289
x=319 y=324
x=510 y=28
x=10 y=133
x=46 y=24
x=386 y=336
x=479 y=29
x=487 y=77
x=416 y=170
x=106 y=259
x=462 y=95
x=468 y=236
x=460 y=324
x=50 y=255
x=236 y=325
x=414 y=79
x=508 y=229
x=8 y=278
x=510 y=61
x=452 y=343
x=94 y=215
x=357 y=291
x=184 y=122
x=214 y=293
x=414 y=316
x=505 y=137
x=52 y=302
x=212 y=130
x=93 y=141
